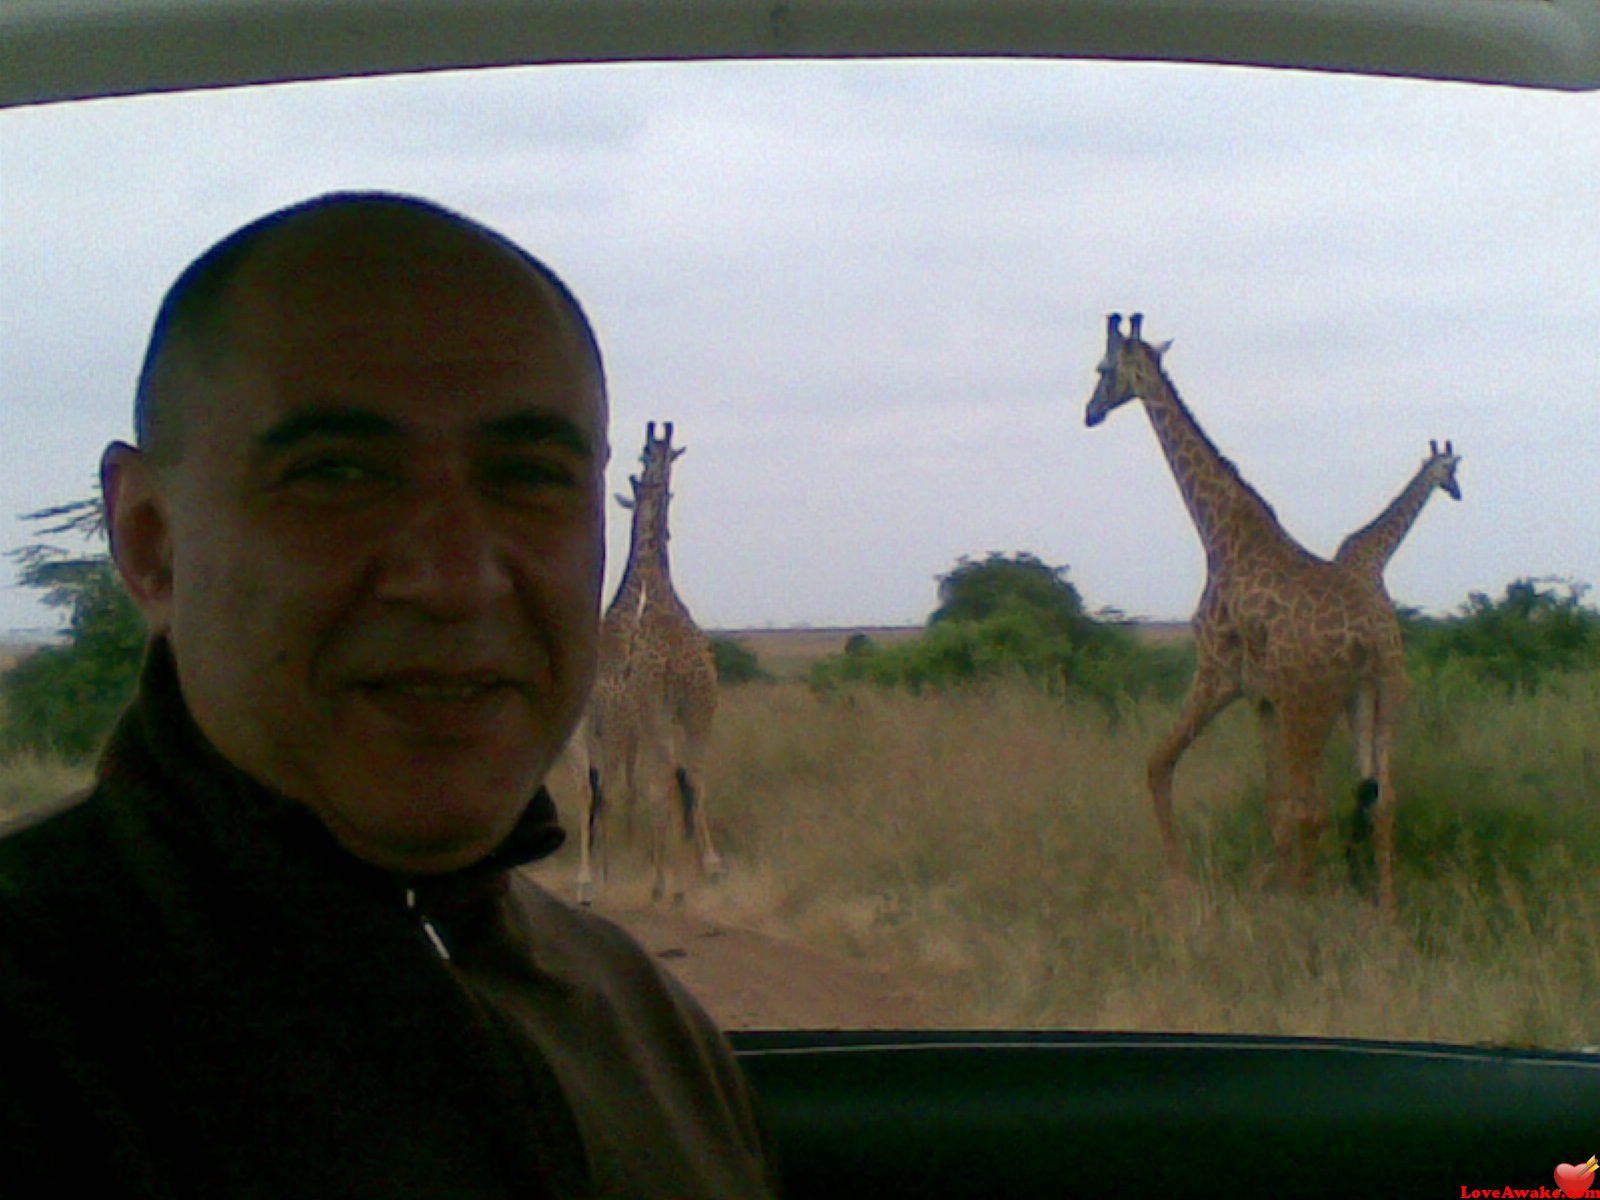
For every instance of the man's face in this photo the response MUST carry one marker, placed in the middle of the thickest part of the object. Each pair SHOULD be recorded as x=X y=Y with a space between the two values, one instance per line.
x=386 y=542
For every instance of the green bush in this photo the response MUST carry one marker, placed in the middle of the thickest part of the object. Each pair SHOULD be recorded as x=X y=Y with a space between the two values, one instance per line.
x=62 y=700
x=1127 y=668
x=1537 y=630
x=736 y=662
x=1015 y=640
x=1014 y=616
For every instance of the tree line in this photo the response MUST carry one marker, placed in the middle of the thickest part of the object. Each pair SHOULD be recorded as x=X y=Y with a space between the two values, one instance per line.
x=1005 y=615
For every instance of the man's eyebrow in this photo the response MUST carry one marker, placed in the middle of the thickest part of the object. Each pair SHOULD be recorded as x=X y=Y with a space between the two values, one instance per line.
x=536 y=427
x=521 y=428
x=328 y=423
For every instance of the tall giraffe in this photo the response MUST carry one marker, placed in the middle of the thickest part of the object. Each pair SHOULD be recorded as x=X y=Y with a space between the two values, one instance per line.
x=649 y=720
x=1303 y=639
x=1369 y=549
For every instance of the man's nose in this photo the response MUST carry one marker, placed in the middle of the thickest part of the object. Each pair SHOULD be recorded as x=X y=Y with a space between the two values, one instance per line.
x=444 y=557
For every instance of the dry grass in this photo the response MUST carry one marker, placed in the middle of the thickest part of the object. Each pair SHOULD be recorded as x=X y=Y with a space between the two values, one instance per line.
x=1000 y=844
x=27 y=783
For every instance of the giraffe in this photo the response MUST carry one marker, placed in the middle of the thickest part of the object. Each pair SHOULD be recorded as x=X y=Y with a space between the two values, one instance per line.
x=1302 y=639
x=649 y=720
x=1369 y=549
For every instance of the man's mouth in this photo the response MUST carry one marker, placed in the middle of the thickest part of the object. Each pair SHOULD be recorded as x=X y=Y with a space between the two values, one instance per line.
x=441 y=687
x=449 y=705
x=442 y=691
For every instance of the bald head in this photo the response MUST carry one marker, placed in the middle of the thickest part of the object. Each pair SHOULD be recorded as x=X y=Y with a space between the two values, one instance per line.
x=370 y=239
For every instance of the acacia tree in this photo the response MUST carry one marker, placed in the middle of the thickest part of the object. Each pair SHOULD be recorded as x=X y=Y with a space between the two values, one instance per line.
x=61 y=700
x=975 y=590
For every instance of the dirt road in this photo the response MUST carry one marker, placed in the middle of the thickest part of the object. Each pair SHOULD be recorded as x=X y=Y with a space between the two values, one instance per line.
x=747 y=980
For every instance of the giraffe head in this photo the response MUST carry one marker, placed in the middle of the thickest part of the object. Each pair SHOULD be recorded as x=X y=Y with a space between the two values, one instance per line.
x=652 y=488
x=659 y=455
x=1130 y=365
x=1439 y=469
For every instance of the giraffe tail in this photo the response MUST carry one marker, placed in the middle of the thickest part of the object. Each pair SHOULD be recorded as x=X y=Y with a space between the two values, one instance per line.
x=1358 y=850
x=688 y=800
x=597 y=802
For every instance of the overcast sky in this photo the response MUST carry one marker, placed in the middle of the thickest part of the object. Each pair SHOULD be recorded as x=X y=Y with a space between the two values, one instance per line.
x=872 y=296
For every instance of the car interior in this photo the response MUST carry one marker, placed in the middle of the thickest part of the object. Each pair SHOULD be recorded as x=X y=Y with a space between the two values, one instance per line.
x=935 y=1113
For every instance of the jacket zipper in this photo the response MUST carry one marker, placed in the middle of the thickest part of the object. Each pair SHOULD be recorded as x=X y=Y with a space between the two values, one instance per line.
x=428 y=927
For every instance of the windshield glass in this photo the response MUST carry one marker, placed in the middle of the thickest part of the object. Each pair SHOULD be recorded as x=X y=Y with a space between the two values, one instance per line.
x=951 y=618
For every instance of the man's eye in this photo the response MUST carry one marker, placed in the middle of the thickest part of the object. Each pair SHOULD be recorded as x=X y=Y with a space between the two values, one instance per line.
x=333 y=473
x=531 y=474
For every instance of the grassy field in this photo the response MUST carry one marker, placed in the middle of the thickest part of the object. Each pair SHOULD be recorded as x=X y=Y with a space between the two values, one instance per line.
x=997 y=844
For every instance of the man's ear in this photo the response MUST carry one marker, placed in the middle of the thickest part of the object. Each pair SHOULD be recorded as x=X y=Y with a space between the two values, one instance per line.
x=137 y=522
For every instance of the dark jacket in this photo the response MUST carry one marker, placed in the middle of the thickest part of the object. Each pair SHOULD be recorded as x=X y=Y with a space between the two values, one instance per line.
x=203 y=995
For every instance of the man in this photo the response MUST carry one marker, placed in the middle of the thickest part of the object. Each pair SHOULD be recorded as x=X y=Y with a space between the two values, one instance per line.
x=280 y=949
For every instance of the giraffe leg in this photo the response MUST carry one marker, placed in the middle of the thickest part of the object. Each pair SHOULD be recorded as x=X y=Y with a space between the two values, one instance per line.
x=696 y=825
x=655 y=785
x=625 y=791
x=611 y=774
x=604 y=768
x=1209 y=695
x=1302 y=818
x=660 y=836
x=1274 y=801
x=630 y=801
x=1358 y=849
x=695 y=735
x=667 y=844
x=1363 y=718
x=634 y=768
x=1389 y=699
x=586 y=771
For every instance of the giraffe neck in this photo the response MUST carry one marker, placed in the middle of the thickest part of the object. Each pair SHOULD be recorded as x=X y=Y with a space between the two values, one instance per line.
x=1369 y=548
x=647 y=577
x=1227 y=512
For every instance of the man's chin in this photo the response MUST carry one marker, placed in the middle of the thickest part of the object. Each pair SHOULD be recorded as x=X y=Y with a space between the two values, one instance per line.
x=424 y=831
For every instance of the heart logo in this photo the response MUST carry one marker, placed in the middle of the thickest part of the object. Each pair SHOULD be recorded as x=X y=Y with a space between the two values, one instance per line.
x=1574 y=1181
